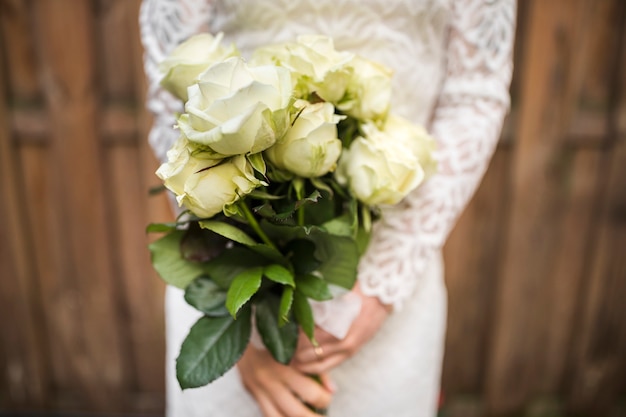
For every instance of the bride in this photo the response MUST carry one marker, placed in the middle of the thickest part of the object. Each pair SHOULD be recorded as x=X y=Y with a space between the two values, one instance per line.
x=381 y=346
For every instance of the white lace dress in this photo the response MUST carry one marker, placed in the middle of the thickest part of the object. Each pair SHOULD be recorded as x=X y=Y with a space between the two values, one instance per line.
x=453 y=64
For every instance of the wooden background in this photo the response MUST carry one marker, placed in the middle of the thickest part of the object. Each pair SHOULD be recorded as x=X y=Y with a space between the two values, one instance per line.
x=536 y=267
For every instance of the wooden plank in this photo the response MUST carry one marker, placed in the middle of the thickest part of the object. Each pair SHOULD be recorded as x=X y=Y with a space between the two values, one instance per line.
x=566 y=280
x=600 y=354
x=583 y=182
x=118 y=124
x=589 y=121
x=553 y=65
x=24 y=374
x=471 y=277
x=64 y=30
x=19 y=50
x=142 y=294
x=115 y=45
x=601 y=357
x=59 y=297
x=151 y=383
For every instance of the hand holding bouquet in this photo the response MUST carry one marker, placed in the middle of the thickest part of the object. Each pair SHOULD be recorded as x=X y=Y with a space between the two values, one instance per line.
x=281 y=165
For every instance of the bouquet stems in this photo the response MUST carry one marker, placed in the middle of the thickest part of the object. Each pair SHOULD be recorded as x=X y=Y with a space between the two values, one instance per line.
x=252 y=221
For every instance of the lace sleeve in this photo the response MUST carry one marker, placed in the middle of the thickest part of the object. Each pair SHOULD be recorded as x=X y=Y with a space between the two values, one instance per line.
x=466 y=123
x=163 y=25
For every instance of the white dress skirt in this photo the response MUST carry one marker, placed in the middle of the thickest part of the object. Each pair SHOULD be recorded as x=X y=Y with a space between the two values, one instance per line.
x=452 y=62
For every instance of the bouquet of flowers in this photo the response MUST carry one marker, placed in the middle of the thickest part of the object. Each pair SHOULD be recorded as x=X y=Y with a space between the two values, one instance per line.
x=281 y=165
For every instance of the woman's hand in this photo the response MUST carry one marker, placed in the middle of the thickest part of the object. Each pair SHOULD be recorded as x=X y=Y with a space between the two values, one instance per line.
x=331 y=351
x=280 y=390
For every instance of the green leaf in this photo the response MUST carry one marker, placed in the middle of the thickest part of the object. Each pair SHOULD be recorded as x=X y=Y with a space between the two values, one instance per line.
x=325 y=210
x=269 y=253
x=157 y=189
x=340 y=226
x=257 y=162
x=321 y=185
x=212 y=347
x=224 y=268
x=280 y=232
x=235 y=234
x=279 y=274
x=286 y=211
x=280 y=340
x=313 y=287
x=311 y=199
x=169 y=263
x=301 y=252
x=243 y=287
x=347 y=223
x=228 y=231
x=201 y=245
x=266 y=211
x=206 y=296
x=286 y=300
x=304 y=314
x=161 y=227
x=338 y=256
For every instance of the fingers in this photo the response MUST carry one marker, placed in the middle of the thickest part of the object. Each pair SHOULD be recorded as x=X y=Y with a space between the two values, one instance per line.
x=280 y=391
x=327 y=345
x=331 y=351
x=327 y=382
x=321 y=366
x=308 y=389
x=277 y=400
x=266 y=405
x=310 y=353
x=327 y=354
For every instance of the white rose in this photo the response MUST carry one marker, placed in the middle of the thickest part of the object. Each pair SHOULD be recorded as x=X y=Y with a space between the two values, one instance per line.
x=203 y=184
x=236 y=109
x=310 y=147
x=383 y=166
x=416 y=138
x=183 y=160
x=315 y=65
x=207 y=191
x=190 y=59
x=369 y=91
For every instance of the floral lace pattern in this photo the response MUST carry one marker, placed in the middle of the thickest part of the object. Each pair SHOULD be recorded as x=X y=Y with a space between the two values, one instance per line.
x=452 y=61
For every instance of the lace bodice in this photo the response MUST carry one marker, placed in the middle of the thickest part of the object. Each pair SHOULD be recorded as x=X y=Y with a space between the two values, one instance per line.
x=452 y=61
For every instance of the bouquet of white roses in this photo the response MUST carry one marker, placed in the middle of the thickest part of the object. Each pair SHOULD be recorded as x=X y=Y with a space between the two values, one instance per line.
x=281 y=164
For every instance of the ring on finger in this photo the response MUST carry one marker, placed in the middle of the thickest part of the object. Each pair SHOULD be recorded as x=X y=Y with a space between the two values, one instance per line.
x=319 y=352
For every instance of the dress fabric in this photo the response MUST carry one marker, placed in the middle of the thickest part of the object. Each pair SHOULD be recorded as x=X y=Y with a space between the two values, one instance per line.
x=452 y=62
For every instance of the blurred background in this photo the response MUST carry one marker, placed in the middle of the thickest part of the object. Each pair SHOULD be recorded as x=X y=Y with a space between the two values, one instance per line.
x=536 y=267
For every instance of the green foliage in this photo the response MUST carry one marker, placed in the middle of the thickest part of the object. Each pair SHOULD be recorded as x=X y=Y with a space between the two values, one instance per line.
x=213 y=346
x=313 y=287
x=168 y=262
x=279 y=274
x=228 y=231
x=273 y=258
x=205 y=295
x=304 y=314
x=230 y=263
x=339 y=257
x=286 y=301
x=280 y=340
x=243 y=287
